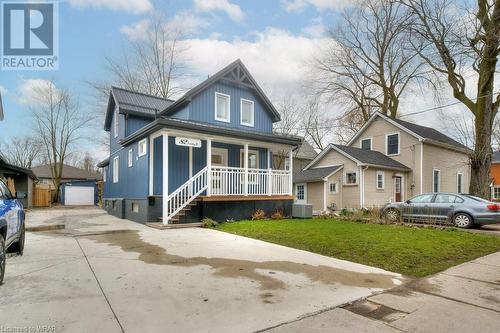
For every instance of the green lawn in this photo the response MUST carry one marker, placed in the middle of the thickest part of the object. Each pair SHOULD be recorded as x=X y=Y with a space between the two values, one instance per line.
x=411 y=251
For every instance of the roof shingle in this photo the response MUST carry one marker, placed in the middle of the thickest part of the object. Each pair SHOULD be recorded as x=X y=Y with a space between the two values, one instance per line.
x=371 y=157
x=69 y=172
x=314 y=175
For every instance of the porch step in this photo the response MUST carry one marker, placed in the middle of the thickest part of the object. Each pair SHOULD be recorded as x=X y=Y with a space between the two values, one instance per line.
x=161 y=226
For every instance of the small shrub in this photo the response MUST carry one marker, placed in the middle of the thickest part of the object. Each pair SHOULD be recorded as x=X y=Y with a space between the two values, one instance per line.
x=278 y=215
x=259 y=214
x=209 y=223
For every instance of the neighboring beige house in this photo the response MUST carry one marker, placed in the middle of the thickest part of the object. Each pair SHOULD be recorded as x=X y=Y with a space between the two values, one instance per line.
x=388 y=160
x=302 y=156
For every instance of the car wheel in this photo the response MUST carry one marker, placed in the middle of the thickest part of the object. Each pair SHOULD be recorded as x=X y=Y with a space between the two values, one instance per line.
x=463 y=220
x=2 y=258
x=18 y=247
x=392 y=215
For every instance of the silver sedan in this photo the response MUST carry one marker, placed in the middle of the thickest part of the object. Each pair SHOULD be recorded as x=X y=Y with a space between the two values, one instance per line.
x=463 y=210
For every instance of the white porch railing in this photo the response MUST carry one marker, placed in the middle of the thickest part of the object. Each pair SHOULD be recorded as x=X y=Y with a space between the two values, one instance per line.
x=231 y=181
x=186 y=193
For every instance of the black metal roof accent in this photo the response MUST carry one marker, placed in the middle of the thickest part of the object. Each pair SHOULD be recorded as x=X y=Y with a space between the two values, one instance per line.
x=206 y=128
x=315 y=174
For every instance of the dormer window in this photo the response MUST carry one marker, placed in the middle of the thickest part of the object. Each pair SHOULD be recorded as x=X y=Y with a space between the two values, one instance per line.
x=392 y=144
x=247 y=112
x=222 y=107
x=366 y=144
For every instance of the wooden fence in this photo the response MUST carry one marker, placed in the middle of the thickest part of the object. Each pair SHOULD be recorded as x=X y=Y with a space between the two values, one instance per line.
x=42 y=197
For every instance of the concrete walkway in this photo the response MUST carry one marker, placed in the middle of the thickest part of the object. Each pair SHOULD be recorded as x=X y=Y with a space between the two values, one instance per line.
x=465 y=298
x=91 y=272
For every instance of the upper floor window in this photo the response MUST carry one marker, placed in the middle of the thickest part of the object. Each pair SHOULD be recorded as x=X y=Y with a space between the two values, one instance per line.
x=222 y=107
x=351 y=178
x=116 y=169
x=366 y=144
x=392 y=144
x=142 y=148
x=247 y=112
x=115 y=129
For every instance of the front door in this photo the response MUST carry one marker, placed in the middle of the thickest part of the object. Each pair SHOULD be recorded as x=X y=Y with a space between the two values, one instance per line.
x=300 y=193
x=397 y=189
x=219 y=159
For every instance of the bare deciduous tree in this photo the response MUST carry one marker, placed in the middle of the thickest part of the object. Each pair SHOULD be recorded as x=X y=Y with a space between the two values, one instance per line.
x=21 y=151
x=58 y=123
x=368 y=65
x=319 y=127
x=457 y=39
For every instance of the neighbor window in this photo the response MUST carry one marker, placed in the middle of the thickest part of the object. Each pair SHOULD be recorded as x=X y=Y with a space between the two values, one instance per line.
x=380 y=180
x=247 y=112
x=366 y=144
x=460 y=182
x=116 y=169
x=301 y=192
x=350 y=178
x=496 y=193
x=115 y=129
x=222 y=107
x=142 y=148
x=333 y=187
x=436 y=180
x=130 y=158
x=392 y=141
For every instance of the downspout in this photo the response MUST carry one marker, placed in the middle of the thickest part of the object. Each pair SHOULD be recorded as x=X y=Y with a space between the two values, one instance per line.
x=362 y=179
x=421 y=166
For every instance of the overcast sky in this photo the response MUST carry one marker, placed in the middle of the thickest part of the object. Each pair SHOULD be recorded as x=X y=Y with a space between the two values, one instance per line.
x=275 y=39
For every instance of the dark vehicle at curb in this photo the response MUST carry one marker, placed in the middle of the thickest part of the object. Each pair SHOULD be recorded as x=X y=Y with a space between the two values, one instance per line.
x=462 y=210
x=12 y=229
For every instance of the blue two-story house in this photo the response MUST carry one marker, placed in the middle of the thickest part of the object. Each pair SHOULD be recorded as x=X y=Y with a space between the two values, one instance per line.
x=207 y=154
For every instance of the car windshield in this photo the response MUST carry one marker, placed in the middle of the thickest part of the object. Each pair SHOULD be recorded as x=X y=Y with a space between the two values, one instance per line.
x=475 y=198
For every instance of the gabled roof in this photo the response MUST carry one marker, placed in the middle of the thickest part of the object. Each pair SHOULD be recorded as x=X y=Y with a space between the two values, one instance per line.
x=423 y=133
x=15 y=169
x=69 y=172
x=316 y=174
x=305 y=152
x=135 y=103
x=237 y=74
x=361 y=157
x=1 y=107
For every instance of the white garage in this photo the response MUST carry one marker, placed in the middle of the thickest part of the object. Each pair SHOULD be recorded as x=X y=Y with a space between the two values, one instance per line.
x=78 y=195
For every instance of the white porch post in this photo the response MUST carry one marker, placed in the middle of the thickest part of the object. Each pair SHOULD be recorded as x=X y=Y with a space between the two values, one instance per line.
x=165 y=179
x=290 y=164
x=269 y=173
x=245 y=158
x=209 y=166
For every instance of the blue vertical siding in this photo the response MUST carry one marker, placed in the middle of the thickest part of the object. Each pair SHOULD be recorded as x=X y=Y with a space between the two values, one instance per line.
x=134 y=123
x=178 y=165
x=202 y=108
x=158 y=166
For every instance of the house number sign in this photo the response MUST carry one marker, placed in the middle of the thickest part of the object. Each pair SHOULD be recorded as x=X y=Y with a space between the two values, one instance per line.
x=187 y=142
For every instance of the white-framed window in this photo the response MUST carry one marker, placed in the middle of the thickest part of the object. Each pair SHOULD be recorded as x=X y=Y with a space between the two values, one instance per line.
x=115 y=128
x=247 y=112
x=135 y=207
x=366 y=144
x=222 y=107
x=392 y=143
x=287 y=163
x=380 y=180
x=351 y=178
x=104 y=172
x=496 y=193
x=130 y=158
x=141 y=149
x=300 y=192
x=460 y=182
x=253 y=159
x=436 y=180
x=333 y=187
x=116 y=169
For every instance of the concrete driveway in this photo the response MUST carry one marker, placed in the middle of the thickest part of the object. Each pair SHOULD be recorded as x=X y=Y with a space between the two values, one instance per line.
x=100 y=273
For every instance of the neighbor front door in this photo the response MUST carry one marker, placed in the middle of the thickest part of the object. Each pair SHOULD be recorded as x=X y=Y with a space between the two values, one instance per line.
x=397 y=189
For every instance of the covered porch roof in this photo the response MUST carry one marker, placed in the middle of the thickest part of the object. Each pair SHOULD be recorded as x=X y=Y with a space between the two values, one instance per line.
x=209 y=129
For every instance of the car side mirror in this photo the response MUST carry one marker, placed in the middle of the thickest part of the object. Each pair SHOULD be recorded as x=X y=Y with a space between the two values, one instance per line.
x=408 y=202
x=21 y=195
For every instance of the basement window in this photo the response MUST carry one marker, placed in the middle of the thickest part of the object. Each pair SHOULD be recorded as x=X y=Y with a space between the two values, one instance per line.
x=135 y=207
